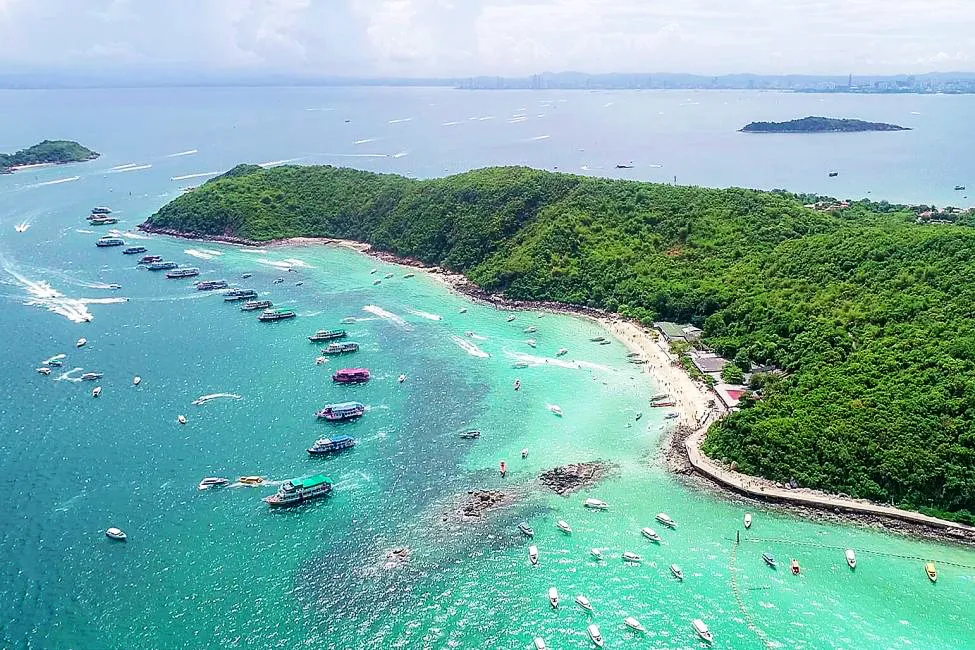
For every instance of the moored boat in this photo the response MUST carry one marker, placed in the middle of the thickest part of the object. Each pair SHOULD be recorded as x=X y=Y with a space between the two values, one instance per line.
x=531 y=329
x=553 y=597
x=270 y=315
x=663 y=403
x=634 y=624
x=162 y=266
x=769 y=559
x=134 y=250
x=176 y=274
x=563 y=526
x=351 y=376
x=526 y=530
x=106 y=242
x=665 y=519
x=595 y=504
x=181 y=419
x=677 y=571
x=629 y=556
x=149 y=259
x=556 y=409
x=44 y=370
x=96 y=391
x=101 y=209
x=210 y=285
x=251 y=480
x=851 y=558
x=533 y=554
x=510 y=318
x=327 y=335
x=331 y=445
x=650 y=534
x=596 y=553
x=342 y=411
x=540 y=643
x=932 y=571
x=296 y=491
x=471 y=435
x=584 y=603
x=253 y=305
x=748 y=520
x=81 y=342
x=341 y=347
x=562 y=352
x=212 y=481
x=102 y=221
x=702 y=630
x=795 y=567
x=116 y=533
x=595 y=635
x=91 y=376
x=235 y=295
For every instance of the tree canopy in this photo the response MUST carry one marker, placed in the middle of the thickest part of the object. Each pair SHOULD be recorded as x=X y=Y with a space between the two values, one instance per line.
x=48 y=151
x=867 y=312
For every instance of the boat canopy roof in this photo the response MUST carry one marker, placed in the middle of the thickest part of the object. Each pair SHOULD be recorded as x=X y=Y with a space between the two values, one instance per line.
x=353 y=371
x=311 y=481
x=345 y=406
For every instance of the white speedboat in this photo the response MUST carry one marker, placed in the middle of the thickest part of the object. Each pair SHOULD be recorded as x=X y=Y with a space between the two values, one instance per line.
x=44 y=370
x=510 y=318
x=377 y=281
x=388 y=276
x=532 y=342
x=665 y=519
x=650 y=534
x=631 y=557
x=553 y=597
x=531 y=329
x=595 y=635
x=91 y=376
x=562 y=352
x=463 y=310
x=116 y=533
x=401 y=378
x=540 y=643
x=555 y=408
x=702 y=630
x=212 y=481
x=533 y=554
x=851 y=558
x=524 y=453
x=526 y=530
x=596 y=553
x=634 y=624
x=136 y=380
x=584 y=603
x=81 y=342
x=595 y=504
x=563 y=526
x=676 y=570
x=96 y=391
x=181 y=419
x=748 y=520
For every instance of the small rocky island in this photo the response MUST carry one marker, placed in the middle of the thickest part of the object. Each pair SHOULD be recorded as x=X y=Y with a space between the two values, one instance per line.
x=48 y=152
x=820 y=125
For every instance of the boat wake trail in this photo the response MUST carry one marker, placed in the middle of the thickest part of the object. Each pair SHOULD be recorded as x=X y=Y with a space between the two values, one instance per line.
x=197 y=175
x=533 y=360
x=364 y=141
x=275 y=163
x=401 y=154
x=133 y=168
x=477 y=337
x=189 y=152
x=469 y=347
x=22 y=227
x=56 y=182
x=128 y=234
x=301 y=264
x=389 y=316
x=203 y=399
x=425 y=314
x=401 y=120
x=121 y=167
x=200 y=254
x=67 y=376
x=539 y=137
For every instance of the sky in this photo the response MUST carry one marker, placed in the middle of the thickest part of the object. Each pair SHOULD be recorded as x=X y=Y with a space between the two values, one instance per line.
x=496 y=37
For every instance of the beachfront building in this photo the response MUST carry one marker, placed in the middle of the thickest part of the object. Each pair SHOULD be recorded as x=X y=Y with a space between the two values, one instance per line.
x=675 y=332
x=709 y=363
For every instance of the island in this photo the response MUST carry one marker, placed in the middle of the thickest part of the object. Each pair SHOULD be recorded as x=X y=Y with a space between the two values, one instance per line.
x=820 y=125
x=849 y=324
x=48 y=152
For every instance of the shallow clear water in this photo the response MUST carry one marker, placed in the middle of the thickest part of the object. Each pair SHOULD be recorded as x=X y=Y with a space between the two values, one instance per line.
x=219 y=569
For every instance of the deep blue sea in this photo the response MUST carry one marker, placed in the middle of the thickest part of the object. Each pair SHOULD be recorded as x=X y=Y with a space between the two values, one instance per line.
x=219 y=569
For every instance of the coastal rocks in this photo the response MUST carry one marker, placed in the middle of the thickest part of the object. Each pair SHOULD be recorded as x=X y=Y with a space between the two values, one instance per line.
x=570 y=478
x=480 y=502
x=675 y=451
x=397 y=557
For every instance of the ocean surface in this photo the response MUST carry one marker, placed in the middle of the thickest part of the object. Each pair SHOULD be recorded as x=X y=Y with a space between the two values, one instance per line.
x=219 y=569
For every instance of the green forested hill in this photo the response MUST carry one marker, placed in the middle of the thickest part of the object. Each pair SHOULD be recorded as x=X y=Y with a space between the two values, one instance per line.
x=870 y=315
x=48 y=151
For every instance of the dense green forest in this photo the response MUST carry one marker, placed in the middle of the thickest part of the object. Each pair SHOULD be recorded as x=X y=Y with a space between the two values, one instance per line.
x=868 y=313
x=48 y=151
x=820 y=125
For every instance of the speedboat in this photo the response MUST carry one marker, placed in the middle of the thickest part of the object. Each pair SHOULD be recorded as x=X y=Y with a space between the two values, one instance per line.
x=96 y=391
x=510 y=318
x=634 y=624
x=932 y=571
x=377 y=281
x=401 y=378
x=748 y=520
x=540 y=643
x=388 y=276
x=596 y=553
x=562 y=352
x=373 y=271
x=769 y=560
x=81 y=342
x=136 y=380
x=116 y=534
x=553 y=597
x=564 y=527
x=526 y=530
x=524 y=453
x=795 y=567
x=212 y=481
x=584 y=603
x=251 y=480
x=474 y=434
x=851 y=558
x=702 y=630
x=595 y=504
x=91 y=376
x=650 y=534
x=629 y=556
x=181 y=419
x=409 y=275
x=348 y=320
x=554 y=408
x=595 y=635
x=676 y=570
x=246 y=275
x=532 y=342
x=665 y=519
x=531 y=329
x=533 y=554
x=44 y=370
x=463 y=310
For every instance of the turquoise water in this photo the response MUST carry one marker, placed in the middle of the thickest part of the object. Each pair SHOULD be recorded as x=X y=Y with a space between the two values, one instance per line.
x=219 y=569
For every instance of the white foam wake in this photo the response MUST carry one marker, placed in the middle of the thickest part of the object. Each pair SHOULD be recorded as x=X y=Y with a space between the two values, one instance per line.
x=387 y=315
x=275 y=163
x=56 y=182
x=400 y=154
x=301 y=264
x=400 y=120
x=364 y=141
x=203 y=255
x=203 y=399
x=425 y=314
x=539 y=137
x=197 y=175
x=188 y=152
x=534 y=360
x=469 y=347
x=450 y=123
x=134 y=168
x=120 y=167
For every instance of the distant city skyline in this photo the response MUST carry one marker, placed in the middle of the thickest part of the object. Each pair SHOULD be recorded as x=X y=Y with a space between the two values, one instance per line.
x=159 y=40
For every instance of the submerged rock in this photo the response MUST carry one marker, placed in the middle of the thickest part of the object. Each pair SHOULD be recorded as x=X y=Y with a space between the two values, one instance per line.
x=569 y=478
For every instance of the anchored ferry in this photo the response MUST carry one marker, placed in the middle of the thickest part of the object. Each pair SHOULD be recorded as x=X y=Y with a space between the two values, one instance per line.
x=300 y=489
x=343 y=411
x=327 y=335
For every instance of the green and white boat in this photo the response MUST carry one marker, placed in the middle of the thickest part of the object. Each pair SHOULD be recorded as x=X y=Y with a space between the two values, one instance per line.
x=300 y=489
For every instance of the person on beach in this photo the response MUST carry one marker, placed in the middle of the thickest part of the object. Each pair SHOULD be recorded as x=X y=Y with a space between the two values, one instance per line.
x=504 y=469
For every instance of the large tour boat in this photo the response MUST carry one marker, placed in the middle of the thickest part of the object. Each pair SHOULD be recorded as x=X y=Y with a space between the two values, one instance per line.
x=253 y=305
x=182 y=273
x=100 y=209
x=327 y=335
x=331 y=445
x=102 y=221
x=162 y=266
x=300 y=489
x=341 y=348
x=239 y=294
x=105 y=242
x=351 y=375
x=210 y=285
x=134 y=250
x=343 y=411
x=276 y=314
x=149 y=259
